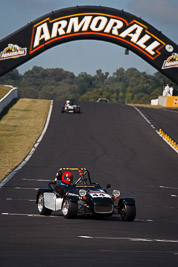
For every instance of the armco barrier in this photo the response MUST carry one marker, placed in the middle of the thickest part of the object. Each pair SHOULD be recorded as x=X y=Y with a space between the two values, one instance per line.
x=8 y=98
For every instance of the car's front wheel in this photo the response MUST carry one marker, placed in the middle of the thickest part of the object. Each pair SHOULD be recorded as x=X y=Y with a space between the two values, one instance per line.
x=69 y=209
x=127 y=212
x=41 y=208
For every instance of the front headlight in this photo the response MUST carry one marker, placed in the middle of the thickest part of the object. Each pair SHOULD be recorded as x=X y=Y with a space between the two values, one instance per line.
x=82 y=192
x=116 y=193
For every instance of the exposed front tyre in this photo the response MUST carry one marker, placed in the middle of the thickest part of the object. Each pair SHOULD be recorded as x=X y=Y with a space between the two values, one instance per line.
x=69 y=209
x=41 y=208
x=127 y=212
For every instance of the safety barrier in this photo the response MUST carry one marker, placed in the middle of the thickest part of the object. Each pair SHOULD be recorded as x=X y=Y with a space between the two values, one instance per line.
x=168 y=139
x=8 y=98
x=166 y=101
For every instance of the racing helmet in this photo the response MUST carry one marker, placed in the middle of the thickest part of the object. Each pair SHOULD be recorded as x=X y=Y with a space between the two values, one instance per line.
x=67 y=178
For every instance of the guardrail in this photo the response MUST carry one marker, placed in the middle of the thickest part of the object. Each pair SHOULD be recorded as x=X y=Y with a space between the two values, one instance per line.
x=8 y=98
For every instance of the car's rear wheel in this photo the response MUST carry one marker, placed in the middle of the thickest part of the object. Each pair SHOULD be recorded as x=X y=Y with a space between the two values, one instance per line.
x=127 y=212
x=69 y=209
x=41 y=208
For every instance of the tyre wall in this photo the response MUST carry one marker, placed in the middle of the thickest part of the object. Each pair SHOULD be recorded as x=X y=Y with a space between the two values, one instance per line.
x=8 y=98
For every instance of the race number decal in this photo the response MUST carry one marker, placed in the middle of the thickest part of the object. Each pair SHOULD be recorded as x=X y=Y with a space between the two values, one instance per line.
x=101 y=195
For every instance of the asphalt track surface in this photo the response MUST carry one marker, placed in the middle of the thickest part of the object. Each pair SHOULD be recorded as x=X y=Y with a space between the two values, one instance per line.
x=119 y=147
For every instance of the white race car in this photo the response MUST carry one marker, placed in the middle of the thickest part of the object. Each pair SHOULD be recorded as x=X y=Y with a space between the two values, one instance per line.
x=102 y=100
x=70 y=106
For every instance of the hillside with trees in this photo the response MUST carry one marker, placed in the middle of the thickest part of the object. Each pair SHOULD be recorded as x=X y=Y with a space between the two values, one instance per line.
x=123 y=86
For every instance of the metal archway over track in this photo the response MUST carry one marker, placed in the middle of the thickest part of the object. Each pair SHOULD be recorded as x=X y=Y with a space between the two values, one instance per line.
x=90 y=22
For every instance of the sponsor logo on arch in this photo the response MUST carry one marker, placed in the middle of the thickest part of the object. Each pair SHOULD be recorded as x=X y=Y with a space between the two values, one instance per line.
x=12 y=51
x=171 y=62
x=132 y=33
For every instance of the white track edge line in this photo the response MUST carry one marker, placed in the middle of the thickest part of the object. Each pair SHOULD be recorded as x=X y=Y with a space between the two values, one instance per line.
x=145 y=118
x=131 y=239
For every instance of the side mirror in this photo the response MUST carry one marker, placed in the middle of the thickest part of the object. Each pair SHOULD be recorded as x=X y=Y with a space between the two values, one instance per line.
x=108 y=186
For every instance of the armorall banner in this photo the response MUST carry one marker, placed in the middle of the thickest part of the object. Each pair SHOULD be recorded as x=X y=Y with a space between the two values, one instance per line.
x=90 y=22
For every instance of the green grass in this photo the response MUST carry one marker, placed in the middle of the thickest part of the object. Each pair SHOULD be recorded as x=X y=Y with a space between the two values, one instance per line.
x=19 y=129
x=4 y=90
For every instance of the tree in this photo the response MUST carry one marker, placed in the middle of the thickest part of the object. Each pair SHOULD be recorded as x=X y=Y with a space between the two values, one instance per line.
x=123 y=86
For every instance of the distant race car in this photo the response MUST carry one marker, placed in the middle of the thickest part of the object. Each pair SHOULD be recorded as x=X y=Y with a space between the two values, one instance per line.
x=70 y=106
x=103 y=100
x=82 y=197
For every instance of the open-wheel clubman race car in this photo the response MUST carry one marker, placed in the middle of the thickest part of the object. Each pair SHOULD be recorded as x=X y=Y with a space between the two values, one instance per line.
x=70 y=106
x=82 y=197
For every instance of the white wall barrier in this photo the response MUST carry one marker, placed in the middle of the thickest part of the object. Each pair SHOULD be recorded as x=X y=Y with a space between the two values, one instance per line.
x=162 y=100
x=8 y=98
x=154 y=102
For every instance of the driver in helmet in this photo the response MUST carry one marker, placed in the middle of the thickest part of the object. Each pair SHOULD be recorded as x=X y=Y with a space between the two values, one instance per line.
x=67 y=103
x=63 y=180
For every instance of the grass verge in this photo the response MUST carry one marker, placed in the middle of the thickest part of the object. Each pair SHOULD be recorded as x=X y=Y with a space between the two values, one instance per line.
x=19 y=129
x=152 y=106
x=4 y=90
